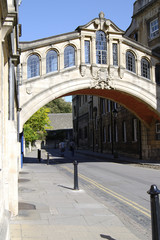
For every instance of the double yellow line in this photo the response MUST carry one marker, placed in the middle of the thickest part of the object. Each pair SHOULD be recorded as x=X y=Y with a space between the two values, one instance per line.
x=121 y=198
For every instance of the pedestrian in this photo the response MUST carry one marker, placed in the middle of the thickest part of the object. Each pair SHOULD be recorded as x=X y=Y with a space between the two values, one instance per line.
x=72 y=147
x=62 y=148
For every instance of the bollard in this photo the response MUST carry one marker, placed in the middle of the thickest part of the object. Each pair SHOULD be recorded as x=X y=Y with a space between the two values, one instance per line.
x=75 y=175
x=39 y=155
x=47 y=158
x=155 y=212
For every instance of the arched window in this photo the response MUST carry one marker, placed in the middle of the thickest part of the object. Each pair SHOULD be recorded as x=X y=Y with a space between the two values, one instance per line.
x=69 y=56
x=145 y=68
x=33 y=66
x=101 y=48
x=51 y=61
x=130 y=61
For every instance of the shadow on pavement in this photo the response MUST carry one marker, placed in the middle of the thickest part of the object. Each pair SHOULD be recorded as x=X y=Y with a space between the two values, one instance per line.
x=65 y=187
x=107 y=237
x=56 y=158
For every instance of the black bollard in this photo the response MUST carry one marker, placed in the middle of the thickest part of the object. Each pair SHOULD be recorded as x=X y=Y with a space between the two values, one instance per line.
x=75 y=175
x=47 y=158
x=155 y=212
x=39 y=155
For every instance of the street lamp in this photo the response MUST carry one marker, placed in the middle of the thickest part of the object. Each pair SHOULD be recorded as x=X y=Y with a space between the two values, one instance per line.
x=114 y=113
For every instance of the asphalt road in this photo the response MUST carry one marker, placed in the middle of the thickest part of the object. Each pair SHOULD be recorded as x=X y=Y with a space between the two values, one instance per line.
x=121 y=187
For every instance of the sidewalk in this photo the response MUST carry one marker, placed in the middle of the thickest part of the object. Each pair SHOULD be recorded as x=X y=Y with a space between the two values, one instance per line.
x=50 y=209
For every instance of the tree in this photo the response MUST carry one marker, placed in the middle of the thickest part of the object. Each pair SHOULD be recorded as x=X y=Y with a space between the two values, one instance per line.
x=35 y=127
x=59 y=106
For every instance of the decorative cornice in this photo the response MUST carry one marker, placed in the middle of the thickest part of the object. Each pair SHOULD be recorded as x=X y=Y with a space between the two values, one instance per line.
x=8 y=24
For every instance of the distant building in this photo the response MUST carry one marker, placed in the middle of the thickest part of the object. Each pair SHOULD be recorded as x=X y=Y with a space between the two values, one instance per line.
x=104 y=126
x=62 y=128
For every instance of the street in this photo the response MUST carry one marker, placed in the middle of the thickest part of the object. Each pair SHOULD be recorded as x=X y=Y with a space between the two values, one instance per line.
x=121 y=187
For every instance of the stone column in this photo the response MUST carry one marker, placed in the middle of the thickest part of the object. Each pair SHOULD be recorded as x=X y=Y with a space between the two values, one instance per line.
x=109 y=52
x=152 y=73
x=61 y=60
x=93 y=51
x=120 y=54
x=138 y=66
x=120 y=61
x=82 y=50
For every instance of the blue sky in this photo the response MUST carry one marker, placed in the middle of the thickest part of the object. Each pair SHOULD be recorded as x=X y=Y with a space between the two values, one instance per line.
x=41 y=19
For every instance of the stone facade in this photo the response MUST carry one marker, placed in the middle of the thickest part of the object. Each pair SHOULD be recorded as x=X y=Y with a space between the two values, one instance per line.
x=96 y=128
x=105 y=133
x=9 y=142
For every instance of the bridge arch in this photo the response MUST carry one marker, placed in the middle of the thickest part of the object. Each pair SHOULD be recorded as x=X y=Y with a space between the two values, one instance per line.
x=144 y=107
x=132 y=90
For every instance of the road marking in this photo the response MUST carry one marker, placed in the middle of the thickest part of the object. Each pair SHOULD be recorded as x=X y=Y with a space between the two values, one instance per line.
x=123 y=199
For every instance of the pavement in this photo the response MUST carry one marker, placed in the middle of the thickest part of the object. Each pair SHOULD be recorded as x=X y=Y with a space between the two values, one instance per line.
x=50 y=209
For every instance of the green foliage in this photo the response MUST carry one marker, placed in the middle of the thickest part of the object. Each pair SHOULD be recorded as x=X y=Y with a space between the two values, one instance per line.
x=35 y=127
x=59 y=106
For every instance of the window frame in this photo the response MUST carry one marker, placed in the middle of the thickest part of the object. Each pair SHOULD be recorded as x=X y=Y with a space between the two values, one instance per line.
x=155 y=33
x=145 y=70
x=124 y=131
x=32 y=70
x=101 y=47
x=87 y=52
x=134 y=130
x=130 y=61
x=109 y=135
x=49 y=63
x=157 y=131
x=157 y=134
x=68 y=62
x=115 y=54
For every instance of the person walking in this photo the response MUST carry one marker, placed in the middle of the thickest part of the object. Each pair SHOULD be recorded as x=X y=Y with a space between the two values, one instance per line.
x=62 y=148
x=72 y=147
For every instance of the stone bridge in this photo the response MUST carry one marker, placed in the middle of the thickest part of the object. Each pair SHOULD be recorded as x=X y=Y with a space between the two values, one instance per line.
x=95 y=59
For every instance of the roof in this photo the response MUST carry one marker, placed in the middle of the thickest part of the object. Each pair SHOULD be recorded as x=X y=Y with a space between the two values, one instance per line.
x=61 y=121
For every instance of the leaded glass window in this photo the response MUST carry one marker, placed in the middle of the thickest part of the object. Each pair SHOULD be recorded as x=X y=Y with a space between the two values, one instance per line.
x=87 y=52
x=115 y=54
x=154 y=28
x=51 y=61
x=134 y=130
x=69 y=57
x=101 y=48
x=145 y=68
x=33 y=68
x=130 y=61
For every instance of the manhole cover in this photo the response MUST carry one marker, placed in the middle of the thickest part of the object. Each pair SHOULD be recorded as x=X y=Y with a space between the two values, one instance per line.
x=26 y=206
x=23 y=180
x=23 y=173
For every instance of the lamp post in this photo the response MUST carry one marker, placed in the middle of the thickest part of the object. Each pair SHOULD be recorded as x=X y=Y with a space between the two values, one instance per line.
x=114 y=113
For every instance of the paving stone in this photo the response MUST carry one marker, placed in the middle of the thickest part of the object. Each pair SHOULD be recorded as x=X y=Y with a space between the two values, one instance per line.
x=60 y=212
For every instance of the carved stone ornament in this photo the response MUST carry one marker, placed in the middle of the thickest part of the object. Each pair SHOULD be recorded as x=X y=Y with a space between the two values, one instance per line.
x=83 y=70
x=94 y=70
x=28 y=90
x=121 y=72
x=102 y=81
